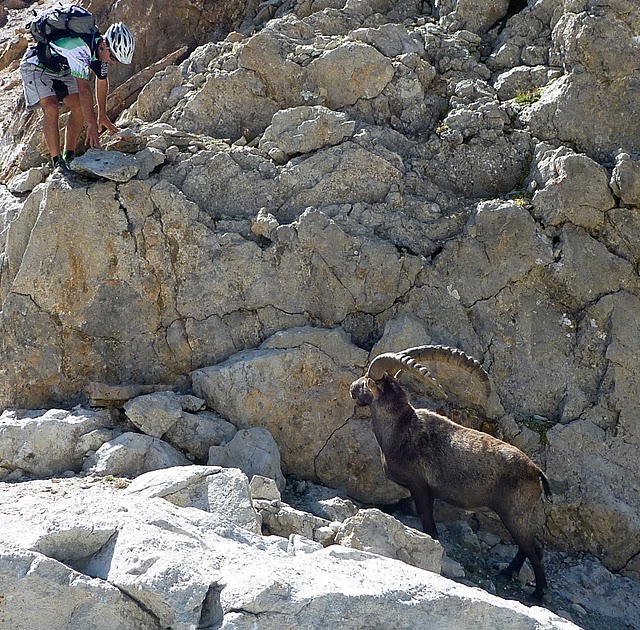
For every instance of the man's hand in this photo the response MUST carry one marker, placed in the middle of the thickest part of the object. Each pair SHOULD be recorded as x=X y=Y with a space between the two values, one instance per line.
x=93 y=138
x=105 y=123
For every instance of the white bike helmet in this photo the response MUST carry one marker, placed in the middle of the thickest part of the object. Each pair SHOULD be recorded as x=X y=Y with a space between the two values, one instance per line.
x=121 y=42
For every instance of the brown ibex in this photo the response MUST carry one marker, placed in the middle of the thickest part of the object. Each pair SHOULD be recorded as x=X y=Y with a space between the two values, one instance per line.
x=435 y=458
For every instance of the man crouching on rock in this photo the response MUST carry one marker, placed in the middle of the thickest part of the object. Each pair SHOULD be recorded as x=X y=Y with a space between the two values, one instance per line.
x=66 y=78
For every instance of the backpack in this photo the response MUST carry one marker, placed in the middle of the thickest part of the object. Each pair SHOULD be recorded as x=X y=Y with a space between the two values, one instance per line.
x=63 y=21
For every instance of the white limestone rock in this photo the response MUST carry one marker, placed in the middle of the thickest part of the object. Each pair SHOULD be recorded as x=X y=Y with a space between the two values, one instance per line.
x=163 y=415
x=254 y=451
x=372 y=530
x=305 y=129
x=66 y=599
x=220 y=491
x=25 y=182
x=132 y=454
x=184 y=567
x=45 y=443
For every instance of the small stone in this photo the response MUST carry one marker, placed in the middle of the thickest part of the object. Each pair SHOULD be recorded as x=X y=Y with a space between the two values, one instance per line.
x=264 y=488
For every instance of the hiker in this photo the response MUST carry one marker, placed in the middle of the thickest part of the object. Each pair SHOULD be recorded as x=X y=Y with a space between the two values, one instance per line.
x=57 y=69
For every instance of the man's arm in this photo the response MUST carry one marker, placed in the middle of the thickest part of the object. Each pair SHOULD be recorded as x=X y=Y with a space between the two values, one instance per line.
x=102 y=89
x=86 y=105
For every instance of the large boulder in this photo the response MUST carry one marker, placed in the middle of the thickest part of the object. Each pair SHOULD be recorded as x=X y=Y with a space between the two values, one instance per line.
x=625 y=180
x=596 y=48
x=254 y=451
x=350 y=72
x=472 y=15
x=297 y=386
x=374 y=531
x=183 y=567
x=220 y=491
x=67 y=599
x=131 y=455
x=570 y=187
x=305 y=129
x=46 y=443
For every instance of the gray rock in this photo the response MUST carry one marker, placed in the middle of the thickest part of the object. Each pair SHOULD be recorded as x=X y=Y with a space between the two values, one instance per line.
x=264 y=488
x=280 y=519
x=197 y=433
x=27 y=181
x=225 y=105
x=254 y=451
x=521 y=80
x=154 y=414
x=168 y=561
x=112 y=165
x=192 y=403
x=66 y=598
x=625 y=180
x=161 y=415
x=451 y=569
x=148 y=160
x=326 y=503
x=299 y=545
x=152 y=100
x=592 y=587
x=264 y=224
x=472 y=15
x=392 y=40
x=581 y=490
x=376 y=532
x=48 y=443
x=132 y=454
x=220 y=491
x=306 y=129
x=350 y=72
x=570 y=187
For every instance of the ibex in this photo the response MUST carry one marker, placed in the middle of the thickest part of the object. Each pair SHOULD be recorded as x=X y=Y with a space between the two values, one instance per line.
x=435 y=458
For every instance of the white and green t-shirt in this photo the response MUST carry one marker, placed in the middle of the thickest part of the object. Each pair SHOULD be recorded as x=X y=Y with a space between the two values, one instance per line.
x=78 y=58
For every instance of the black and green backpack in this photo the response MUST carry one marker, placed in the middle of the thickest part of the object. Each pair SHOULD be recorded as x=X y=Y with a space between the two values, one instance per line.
x=68 y=20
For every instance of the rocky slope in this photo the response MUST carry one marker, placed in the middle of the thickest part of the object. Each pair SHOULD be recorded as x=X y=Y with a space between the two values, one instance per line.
x=331 y=180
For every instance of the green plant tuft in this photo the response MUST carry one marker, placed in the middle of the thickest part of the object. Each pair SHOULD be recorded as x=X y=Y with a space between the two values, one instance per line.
x=528 y=97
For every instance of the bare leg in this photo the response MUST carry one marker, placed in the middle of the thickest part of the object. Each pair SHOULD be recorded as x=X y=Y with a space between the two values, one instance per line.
x=75 y=123
x=49 y=107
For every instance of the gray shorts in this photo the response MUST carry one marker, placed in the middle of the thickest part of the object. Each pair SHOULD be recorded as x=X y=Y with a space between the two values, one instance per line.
x=40 y=83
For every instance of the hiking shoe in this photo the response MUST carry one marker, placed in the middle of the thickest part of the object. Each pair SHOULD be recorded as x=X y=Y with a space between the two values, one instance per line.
x=68 y=157
x=60 y=167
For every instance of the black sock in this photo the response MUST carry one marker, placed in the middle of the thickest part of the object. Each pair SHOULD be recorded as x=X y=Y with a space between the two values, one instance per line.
x=69 y=155
x=57 y=160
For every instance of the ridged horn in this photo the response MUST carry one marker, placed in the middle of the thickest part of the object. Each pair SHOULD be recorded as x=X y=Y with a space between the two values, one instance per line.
x=391 y=362
x=384 y=363
x=454 y=356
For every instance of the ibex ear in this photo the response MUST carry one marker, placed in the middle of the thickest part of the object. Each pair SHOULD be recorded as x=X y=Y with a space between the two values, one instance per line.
x=373 y=388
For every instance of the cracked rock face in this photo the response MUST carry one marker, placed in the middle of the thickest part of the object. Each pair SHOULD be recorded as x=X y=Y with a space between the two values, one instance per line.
x=335 y=174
